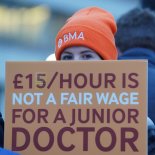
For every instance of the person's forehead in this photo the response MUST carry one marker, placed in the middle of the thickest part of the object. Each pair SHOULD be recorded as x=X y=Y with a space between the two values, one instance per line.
x=79 y=49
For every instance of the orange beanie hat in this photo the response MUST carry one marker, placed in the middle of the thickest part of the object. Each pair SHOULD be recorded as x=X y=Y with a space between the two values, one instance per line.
x=90 y=27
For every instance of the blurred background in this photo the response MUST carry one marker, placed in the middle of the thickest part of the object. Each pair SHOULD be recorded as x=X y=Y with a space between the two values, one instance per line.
x=28 y=27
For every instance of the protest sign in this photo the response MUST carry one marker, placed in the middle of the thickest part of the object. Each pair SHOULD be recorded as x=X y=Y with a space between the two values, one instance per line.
x=66 y=108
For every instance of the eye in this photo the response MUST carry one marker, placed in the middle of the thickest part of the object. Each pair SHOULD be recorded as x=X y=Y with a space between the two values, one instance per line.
x=87 y=56
x=67 y=57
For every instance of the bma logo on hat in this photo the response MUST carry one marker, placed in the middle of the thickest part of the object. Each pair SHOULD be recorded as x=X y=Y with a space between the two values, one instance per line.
x=60 y=43
x=69 y=37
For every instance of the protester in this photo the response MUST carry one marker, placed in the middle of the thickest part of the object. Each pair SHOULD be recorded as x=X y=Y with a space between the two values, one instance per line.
x=135 y=39
x=96 y=42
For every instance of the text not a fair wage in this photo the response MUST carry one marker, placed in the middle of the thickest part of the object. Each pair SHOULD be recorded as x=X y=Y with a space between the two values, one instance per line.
x=81 y=98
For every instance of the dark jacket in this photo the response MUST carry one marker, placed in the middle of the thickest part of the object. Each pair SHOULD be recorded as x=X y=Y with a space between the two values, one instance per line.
x=1 y=130
x=151 y=140
x=142 y=53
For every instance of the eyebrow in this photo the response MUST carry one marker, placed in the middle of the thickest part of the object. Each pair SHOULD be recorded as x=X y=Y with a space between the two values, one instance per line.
x=86 y=51
x=66 y=52
x=83 y=52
